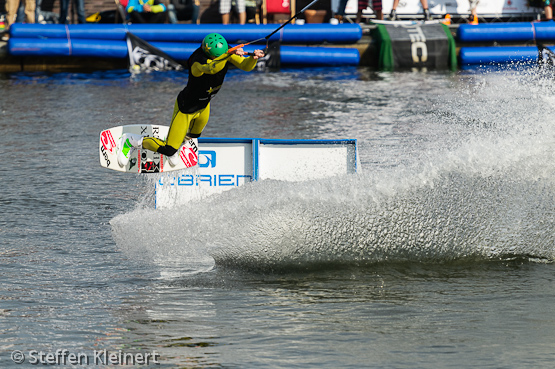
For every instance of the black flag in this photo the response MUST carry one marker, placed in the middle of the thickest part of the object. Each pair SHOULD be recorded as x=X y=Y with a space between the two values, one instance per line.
x=145 y=57
x=270 y=61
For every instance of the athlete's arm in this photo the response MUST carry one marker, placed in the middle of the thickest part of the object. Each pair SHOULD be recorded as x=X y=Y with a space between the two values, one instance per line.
x=211 y=66
x=246 y=64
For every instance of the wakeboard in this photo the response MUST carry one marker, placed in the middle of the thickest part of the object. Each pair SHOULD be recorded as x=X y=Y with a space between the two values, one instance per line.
x=142 y=160
x=407 y=22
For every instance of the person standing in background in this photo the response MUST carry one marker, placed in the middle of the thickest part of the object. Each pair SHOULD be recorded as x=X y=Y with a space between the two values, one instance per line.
x=393 y=14
x=340 y=12
x=21 y=12
x=64 y=7
x=251 y=9
x=12 y=6
x=238 y=5
x=363 y=4
x=146 y=11
x=184 y=10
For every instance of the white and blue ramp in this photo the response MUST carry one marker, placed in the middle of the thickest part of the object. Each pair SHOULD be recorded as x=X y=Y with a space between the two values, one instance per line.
x=226 y=163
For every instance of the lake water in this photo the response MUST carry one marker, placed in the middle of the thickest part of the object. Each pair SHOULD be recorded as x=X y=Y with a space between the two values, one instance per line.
x=439 y=255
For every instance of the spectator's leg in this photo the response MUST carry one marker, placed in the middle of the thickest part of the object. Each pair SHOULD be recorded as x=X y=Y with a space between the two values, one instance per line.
x=334 y=7
x=225 y=8
x=158 y=17
x=242 y=11
x=80 y=5
x=251 y=14
x=362 y=4
x=341 y=8
x=64 y=5
x=172 y=14
x=30 y=11
x=195 y=11
x=38 y=4
x=377 y=8
x=393 y=14
x=136 y=17
x=20 y=17
x=426 y=10
x=473 y=13
x=11 y=7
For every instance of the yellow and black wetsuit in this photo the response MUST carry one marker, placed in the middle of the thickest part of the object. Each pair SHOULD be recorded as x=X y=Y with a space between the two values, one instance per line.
x=192 y=107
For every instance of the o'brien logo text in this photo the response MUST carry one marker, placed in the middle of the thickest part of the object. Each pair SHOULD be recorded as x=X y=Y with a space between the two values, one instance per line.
x=97 y=357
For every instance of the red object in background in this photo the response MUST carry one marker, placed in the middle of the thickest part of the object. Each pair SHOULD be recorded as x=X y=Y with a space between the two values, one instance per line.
x=278 y=6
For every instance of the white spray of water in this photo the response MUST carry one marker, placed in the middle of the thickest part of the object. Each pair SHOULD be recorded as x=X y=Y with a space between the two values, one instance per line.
x=480 y=187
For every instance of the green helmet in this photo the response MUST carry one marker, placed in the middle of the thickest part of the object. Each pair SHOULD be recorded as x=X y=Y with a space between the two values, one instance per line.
x=214 y=45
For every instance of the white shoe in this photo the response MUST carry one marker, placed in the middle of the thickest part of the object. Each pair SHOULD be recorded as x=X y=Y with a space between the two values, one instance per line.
x=128 y=144
x=187 y=154
x=174 y=159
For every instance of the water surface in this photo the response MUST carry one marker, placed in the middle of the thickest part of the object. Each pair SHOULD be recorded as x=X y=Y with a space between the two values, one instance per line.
x=440 y=254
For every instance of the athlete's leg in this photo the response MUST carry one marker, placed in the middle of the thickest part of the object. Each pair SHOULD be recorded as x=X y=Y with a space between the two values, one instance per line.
x=181 y=124
x=178 y=128
x=199 y=122
x=153 y=143
x=176 y=135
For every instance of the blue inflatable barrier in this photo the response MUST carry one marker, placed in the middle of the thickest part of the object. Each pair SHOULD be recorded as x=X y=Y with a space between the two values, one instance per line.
x=545 y=31
x=498 y=54
x=495 y=32
x=316 y=56
x=61 y=47
x=290 y=55
x=507 y=32
x=234 y=33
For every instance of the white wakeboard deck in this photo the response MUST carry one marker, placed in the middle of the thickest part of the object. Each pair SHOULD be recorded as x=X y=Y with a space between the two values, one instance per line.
x=142 y=160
